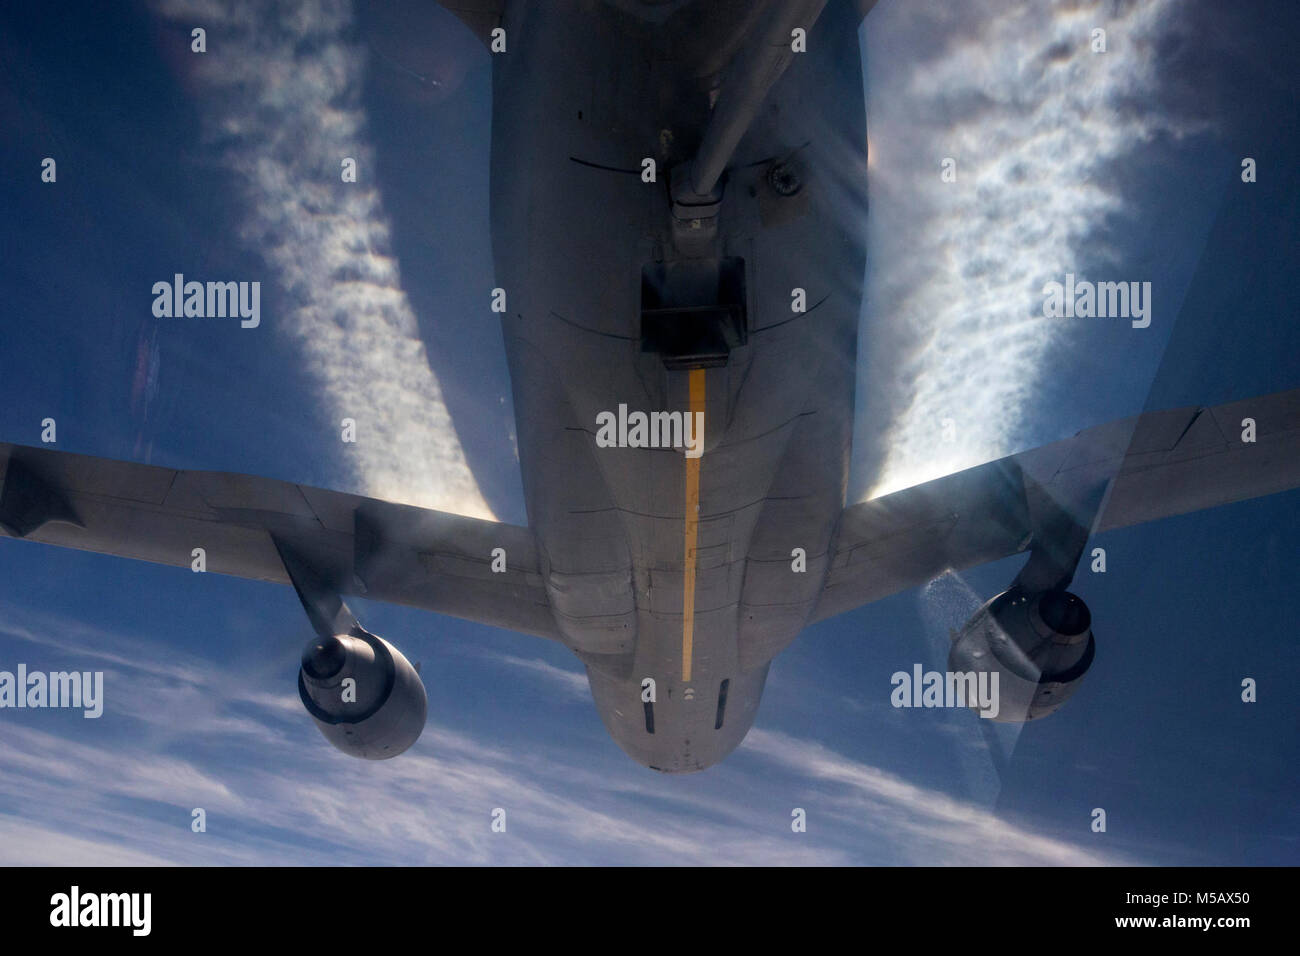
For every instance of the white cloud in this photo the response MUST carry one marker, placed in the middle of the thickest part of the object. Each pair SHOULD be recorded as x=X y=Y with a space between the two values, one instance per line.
x=275 y=793
x=1038 y=124
x=573 y=683
x=280 y=91
x=26 y=844
x=924 y=825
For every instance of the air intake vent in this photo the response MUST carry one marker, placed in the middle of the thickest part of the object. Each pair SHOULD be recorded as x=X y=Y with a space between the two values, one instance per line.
x=722 y=704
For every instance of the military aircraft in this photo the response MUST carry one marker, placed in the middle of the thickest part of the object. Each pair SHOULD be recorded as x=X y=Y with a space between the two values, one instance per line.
x=668 y=187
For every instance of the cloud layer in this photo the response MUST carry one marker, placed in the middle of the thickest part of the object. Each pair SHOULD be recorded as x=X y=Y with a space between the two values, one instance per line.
x=181 y=731
x=1038 y=124
x=279 y=89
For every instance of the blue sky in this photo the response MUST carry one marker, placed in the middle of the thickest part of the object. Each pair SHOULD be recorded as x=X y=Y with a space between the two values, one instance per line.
x=1123 y=165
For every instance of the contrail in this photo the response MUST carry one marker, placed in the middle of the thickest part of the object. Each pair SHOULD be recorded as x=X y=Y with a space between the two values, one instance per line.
x=956 y=351
x=281 y=88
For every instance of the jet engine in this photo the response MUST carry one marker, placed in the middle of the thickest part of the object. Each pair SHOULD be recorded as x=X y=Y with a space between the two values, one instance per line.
x=1040 y=646
x=364 y=695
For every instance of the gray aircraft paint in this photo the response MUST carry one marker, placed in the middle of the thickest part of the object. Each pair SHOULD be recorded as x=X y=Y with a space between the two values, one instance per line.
x=570 y=240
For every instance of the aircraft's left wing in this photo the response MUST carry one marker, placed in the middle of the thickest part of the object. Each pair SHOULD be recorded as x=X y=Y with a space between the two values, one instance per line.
x=1111 y=476
x=481 y=16
x=354 y=545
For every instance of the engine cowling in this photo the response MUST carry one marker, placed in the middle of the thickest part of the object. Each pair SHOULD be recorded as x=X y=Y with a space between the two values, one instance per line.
x=363 y=694
x=1040 y=645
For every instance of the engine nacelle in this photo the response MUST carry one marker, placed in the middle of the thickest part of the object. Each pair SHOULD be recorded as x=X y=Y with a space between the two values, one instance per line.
x=364 y=695
x=1039 y=645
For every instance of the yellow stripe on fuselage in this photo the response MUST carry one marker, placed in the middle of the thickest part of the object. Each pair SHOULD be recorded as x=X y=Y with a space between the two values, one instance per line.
x=692 y=528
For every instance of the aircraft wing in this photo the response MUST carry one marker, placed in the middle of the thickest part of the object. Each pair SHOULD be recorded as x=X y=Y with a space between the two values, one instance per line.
x=361 y=546
x=1140 y=469
x=481 y=16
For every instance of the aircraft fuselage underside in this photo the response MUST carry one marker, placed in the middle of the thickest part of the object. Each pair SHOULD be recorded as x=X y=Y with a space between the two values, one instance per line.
x=683 y=570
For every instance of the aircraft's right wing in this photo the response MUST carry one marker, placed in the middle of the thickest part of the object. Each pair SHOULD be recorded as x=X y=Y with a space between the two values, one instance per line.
x=1154 y=466
x=353 y=545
